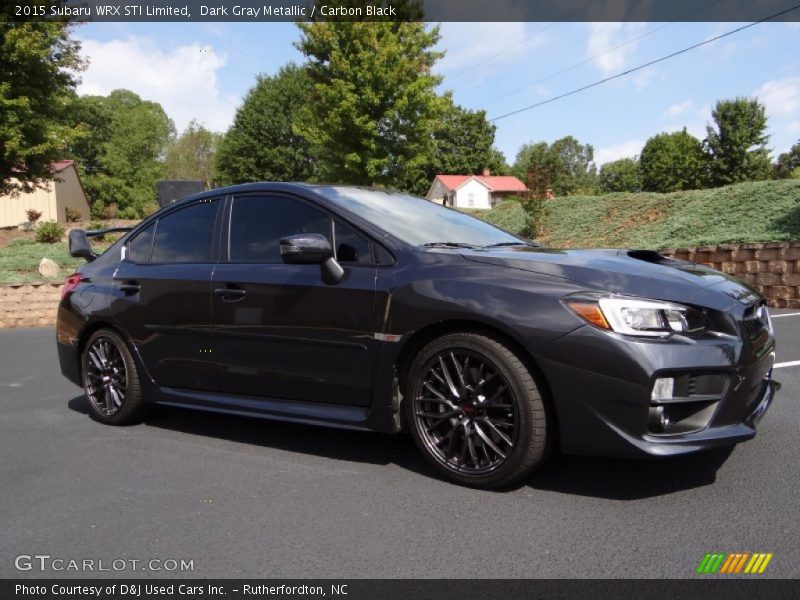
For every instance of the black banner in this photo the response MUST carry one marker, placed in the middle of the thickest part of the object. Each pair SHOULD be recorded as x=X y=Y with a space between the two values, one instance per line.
x=400 y=10
x=735 y=588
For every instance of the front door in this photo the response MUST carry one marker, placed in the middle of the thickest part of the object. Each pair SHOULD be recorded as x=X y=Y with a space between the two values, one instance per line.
x=279 y=331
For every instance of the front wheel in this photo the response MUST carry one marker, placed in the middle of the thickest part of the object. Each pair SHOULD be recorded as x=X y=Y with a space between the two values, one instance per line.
x=475 y=411
x=111 y=379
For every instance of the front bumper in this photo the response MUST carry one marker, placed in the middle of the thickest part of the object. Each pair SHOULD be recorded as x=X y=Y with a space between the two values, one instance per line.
x=601 y=386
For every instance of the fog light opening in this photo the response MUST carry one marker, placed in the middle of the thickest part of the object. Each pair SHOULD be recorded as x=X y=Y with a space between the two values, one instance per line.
x=663 y=389
x=658 y=419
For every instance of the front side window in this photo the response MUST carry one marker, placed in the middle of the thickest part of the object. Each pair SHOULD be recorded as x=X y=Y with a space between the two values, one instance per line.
x=186 y=235
x=259 y=222
x=350 y=246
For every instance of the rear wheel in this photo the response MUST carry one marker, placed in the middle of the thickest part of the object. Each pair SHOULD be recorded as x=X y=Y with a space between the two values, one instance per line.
x=111 y=379
x=475 y=411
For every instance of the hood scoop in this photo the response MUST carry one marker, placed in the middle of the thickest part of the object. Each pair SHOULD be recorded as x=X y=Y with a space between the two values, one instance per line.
x=649 y=256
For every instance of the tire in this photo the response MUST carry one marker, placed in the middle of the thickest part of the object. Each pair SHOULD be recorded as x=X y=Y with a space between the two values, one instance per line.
x=111 y=380
x=479 y=426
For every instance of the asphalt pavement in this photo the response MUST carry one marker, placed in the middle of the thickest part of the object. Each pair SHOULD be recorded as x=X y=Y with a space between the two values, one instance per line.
x=250 y=498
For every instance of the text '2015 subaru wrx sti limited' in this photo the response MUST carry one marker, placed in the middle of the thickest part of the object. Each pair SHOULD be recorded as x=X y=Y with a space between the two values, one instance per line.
x=374 y=310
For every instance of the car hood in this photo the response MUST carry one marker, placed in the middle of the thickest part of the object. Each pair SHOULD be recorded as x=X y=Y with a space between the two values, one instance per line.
x=641 y=273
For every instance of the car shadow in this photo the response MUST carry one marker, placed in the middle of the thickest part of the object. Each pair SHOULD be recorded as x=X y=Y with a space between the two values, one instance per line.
x=608 y=478
x=628 y=479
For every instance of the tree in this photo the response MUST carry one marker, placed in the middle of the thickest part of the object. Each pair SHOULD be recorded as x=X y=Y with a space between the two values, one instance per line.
x=191 y=155
x=737 y=148
x=565 y=167
x=262 y=145
x=620 y=176
x=39 y=63
x=373 y=112
x=787 y=163
x=463 y=143
x=123 y=155
x=672 y=161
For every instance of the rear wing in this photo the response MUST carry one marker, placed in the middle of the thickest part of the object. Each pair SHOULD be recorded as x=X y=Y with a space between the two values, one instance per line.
x=79 y=245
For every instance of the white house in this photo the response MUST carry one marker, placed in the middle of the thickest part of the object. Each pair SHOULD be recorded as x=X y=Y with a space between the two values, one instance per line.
x=474 y=191
x=63 y=192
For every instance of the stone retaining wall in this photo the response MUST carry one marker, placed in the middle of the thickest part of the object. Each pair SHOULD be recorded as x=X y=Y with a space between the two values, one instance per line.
x=28 y=304
x=771 y=268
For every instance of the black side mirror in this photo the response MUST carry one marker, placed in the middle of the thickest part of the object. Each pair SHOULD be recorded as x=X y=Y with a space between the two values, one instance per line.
x=79 y=245
x=312 y=249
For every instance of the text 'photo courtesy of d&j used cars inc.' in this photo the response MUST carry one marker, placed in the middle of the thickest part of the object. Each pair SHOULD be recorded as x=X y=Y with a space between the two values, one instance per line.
x=399 y=298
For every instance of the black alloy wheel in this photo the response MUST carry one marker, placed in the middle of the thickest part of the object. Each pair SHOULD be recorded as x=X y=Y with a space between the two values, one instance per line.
x=475 y=411
x=111 y=379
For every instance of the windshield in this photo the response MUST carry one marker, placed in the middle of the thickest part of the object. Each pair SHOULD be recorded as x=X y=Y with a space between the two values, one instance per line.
x=416 y=221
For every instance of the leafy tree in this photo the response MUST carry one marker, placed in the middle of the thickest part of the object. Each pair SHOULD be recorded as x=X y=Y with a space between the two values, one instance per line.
x=672 y=161
x=787 y=162
x=620 y=176
x=738 y=146
x=374 y=111
x=39 y=63
x=124 y=156
x=463 y=143
x=191 y=155
x=565 y=167
x=262 y=145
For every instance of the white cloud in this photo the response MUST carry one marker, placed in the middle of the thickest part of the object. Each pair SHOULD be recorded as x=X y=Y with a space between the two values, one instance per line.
x=627 y=149
x=676 y=110
x=606 y=47
x=793 y=127
x=475 y=49
x=780 y=96
x=183 y=79
x=689 y=116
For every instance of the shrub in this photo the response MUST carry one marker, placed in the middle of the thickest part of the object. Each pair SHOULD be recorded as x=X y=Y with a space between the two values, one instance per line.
x=73 y=216
x=33 y=215
x=49 y=233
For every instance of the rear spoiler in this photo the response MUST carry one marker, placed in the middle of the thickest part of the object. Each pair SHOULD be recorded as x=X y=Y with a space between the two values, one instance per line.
x=79 y=245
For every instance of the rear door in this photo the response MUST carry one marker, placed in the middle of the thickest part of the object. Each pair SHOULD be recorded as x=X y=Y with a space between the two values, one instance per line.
x=162 y=295
x=279 y=331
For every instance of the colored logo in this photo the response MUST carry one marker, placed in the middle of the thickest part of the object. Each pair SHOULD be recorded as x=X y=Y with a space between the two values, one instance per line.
x=736 y=562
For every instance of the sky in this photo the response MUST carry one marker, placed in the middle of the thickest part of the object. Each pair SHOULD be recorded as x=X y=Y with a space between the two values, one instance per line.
x=203 y=70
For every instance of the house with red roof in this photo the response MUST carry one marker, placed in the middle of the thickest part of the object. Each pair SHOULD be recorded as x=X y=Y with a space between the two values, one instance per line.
x=474 y=191
x=64 y=191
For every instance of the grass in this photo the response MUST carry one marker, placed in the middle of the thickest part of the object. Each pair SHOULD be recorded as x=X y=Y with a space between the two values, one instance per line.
x=19 y=260
x=765 y=211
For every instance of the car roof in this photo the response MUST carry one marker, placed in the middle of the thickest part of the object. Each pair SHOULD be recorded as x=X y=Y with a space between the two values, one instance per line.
x=268 y=186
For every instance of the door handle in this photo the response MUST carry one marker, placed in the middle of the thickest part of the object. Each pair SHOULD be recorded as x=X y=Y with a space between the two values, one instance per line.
x=230 y=294
x=129 y=287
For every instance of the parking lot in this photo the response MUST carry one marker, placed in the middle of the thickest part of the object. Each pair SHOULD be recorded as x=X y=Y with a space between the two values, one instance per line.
x=251 y=498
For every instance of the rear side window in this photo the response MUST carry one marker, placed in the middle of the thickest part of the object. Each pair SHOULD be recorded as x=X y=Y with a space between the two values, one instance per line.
x=139 y=247
x=259 y=222
x=186 y=235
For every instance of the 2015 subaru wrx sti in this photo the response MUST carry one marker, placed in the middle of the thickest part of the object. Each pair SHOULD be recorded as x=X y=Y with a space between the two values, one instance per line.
x=374 y=310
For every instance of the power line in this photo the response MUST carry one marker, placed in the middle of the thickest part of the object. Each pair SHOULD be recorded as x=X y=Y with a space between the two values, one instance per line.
x=521 y=42
x=596 y=56
x=645 y=65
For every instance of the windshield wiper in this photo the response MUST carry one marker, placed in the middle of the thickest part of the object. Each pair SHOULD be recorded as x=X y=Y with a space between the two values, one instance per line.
x=520 y=243
x=448 y=245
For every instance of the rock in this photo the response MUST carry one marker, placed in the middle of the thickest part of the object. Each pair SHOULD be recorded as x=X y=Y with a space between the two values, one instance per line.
x=47 y=268
x=27 y=226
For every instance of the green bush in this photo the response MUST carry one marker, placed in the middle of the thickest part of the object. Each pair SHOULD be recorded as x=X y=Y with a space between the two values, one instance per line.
x=49 y=232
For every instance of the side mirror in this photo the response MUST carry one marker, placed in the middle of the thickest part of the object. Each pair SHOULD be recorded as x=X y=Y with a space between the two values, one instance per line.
x=79 y=245
x=312 y=249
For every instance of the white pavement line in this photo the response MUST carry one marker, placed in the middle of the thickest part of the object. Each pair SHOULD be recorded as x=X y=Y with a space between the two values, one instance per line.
x=794 y=363
x=786 y=315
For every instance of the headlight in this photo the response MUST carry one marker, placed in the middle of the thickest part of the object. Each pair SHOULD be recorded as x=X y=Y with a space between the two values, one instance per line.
x=636 y=316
